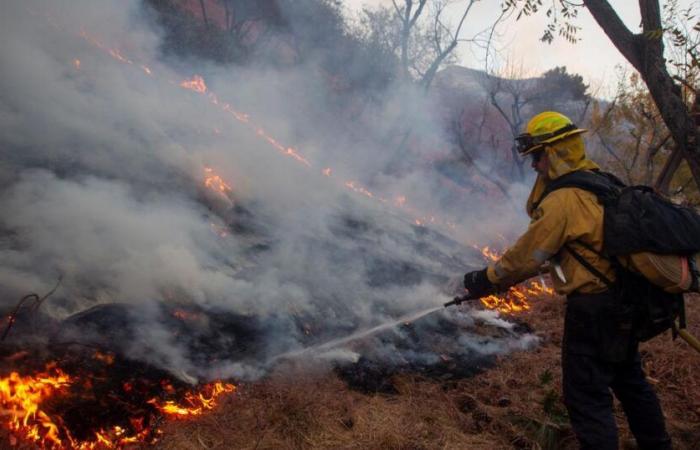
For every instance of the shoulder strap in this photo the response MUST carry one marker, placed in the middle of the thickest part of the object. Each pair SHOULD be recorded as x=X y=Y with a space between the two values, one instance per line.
x=577 y=256
x=604 y=185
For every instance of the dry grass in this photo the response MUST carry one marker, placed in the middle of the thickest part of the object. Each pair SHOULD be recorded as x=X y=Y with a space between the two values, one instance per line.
x=516 y=404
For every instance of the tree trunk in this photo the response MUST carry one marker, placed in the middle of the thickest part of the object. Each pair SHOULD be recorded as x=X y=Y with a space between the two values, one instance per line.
x=645 y=52
x=405 y=34
x=663 y=181
x=228 y=18
x=694 y=163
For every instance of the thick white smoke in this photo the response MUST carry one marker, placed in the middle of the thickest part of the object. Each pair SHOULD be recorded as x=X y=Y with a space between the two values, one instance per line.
x=102 y=179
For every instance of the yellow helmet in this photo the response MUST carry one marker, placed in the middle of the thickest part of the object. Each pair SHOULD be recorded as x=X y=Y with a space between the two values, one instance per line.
x=544 y=128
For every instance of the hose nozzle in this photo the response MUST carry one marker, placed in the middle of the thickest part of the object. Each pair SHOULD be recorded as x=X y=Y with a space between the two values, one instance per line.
x=459 y=299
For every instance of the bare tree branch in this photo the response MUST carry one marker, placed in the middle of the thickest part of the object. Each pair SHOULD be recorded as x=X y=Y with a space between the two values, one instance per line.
x=204 y=13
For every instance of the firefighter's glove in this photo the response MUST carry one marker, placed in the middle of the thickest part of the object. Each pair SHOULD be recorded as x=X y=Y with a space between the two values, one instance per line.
x=478 y=284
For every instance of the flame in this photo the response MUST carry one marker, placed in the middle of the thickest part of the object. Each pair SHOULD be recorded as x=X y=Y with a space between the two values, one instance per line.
x=215 y=182
x=355 y=186
x=517 y=298
x=22 y=399
x=196 y=403
x=196 y=84
x=76 y=63
x=116 y=54
x=490 y=255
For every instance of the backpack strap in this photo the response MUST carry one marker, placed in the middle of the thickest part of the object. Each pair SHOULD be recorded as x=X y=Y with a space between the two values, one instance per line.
x=603 y=184
x=577 y=256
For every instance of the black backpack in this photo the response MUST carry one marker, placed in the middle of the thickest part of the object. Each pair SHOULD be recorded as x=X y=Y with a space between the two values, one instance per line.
x=637 y=219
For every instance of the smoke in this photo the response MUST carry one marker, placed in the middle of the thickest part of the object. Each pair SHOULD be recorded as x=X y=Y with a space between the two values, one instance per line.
x=103 y=169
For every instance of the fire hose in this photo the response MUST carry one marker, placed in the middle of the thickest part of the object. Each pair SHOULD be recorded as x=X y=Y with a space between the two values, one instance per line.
x=689 y=338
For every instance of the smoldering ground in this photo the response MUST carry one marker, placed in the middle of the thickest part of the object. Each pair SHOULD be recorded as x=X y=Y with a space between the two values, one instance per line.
x=104 y=161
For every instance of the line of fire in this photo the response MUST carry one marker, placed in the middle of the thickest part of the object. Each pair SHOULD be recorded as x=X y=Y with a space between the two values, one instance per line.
x=71 y=381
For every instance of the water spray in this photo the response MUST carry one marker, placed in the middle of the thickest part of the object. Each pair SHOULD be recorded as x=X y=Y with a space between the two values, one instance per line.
x=364 y=333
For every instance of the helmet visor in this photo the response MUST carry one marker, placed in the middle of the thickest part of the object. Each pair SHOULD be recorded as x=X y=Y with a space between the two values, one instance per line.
x=526 y=142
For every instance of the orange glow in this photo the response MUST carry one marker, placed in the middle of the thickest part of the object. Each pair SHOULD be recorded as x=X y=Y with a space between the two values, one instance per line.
x=517 y=298
x=107 y=358
x=196 y=84
x=76 y=63
x=116 y=54
x=22 y=399
x=215 y=182
x=359 y=189
x=184 y=315
x=327 y=171
x=196 y=403
x=489 y=254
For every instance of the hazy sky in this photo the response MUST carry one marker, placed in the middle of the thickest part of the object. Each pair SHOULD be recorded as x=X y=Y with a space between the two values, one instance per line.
x=594 y=56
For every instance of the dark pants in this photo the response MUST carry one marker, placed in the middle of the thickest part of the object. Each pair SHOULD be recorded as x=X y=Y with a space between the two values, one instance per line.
x=599 y=354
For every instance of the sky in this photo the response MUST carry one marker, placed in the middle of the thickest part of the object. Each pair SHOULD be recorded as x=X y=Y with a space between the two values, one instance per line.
x=594 y=57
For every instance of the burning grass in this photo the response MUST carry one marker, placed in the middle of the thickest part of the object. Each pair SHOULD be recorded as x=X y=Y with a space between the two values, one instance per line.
x=100 y=403
x=514 y=404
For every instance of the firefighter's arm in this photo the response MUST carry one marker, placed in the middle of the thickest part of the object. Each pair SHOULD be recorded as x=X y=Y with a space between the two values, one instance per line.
x=544 y=237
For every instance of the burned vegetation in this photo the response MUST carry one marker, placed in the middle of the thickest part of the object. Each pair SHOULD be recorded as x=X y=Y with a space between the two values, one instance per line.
x=112 y=374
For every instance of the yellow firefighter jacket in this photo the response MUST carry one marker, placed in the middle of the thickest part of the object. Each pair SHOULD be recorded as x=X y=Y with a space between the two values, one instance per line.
x=565 y=216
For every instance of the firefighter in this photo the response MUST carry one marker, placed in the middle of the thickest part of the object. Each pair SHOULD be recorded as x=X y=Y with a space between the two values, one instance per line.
x=599 y=353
